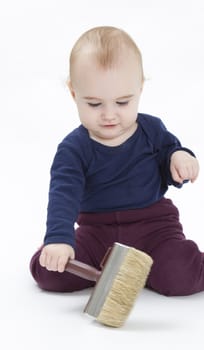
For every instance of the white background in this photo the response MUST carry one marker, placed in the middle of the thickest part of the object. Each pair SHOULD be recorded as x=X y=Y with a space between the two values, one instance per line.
x=36 y=112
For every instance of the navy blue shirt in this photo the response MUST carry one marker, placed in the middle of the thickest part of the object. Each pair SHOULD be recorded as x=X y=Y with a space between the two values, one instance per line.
x=87 y=176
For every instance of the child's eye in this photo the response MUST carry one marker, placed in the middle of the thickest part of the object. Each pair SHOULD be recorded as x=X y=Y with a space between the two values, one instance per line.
x=122 y=103
x=94 y=104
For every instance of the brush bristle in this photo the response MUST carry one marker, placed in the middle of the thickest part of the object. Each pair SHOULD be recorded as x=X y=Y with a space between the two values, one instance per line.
x=129 y=281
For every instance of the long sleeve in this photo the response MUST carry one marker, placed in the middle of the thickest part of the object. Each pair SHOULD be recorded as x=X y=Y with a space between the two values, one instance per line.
x=167 y=144
x=164 y=144
x=65 y=193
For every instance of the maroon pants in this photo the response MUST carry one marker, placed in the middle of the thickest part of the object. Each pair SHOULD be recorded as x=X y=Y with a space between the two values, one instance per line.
x=178 y=267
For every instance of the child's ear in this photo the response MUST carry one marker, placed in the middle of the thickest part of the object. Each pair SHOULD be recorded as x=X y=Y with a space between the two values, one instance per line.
x=69 y=84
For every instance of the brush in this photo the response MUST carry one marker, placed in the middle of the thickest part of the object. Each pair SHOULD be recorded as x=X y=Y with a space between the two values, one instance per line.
x=123 y=275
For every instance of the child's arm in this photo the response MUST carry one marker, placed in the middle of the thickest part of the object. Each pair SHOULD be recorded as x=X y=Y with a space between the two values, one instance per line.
x=65 y=193
x=183 y=166
x=176 y=163
x=55 y=256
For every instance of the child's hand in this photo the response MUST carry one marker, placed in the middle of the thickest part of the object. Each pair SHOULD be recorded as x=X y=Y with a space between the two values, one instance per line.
x=183 y=166
x=55 y=256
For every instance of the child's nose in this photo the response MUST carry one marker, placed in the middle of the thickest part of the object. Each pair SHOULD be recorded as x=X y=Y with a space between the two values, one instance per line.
x=108 y=114
x=108 y=118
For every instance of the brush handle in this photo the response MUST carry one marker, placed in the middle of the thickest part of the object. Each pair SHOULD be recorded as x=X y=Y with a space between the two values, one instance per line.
x=82 y=270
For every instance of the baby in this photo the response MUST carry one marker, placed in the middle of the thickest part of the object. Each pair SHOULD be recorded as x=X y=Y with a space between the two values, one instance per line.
x=111 y=174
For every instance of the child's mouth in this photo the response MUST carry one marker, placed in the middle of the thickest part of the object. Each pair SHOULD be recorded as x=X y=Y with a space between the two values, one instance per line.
x=109 y=125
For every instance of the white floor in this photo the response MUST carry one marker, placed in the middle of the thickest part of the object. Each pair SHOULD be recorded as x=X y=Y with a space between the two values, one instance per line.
x=34 y=319
x=37 y=112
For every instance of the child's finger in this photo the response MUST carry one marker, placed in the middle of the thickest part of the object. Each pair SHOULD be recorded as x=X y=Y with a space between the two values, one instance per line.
x=42 y=259
x=189 y=173
x=176 y=176
x=195 y=173
x=185 y=173
x=62 y=261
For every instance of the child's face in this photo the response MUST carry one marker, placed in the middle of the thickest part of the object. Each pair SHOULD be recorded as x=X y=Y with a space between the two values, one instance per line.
x=107 y=99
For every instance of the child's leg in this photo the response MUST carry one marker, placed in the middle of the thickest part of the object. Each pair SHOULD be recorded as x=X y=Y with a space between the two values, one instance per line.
x=89 y=249
x=178 y=268
x=62 y=282
x=55 y=281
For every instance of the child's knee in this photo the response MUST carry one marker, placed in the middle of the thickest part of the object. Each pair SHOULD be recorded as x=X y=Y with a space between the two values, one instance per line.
x=46 y=280
x=176 y=270
x=55 y=281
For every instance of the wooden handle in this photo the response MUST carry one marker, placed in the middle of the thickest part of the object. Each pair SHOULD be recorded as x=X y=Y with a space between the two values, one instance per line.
x=82 y=270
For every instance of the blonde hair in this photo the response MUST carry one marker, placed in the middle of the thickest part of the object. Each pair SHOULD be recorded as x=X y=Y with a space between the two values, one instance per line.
x=106 y=44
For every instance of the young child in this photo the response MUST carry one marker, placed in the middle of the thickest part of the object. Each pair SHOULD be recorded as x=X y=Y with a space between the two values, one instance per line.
x=110 y=175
